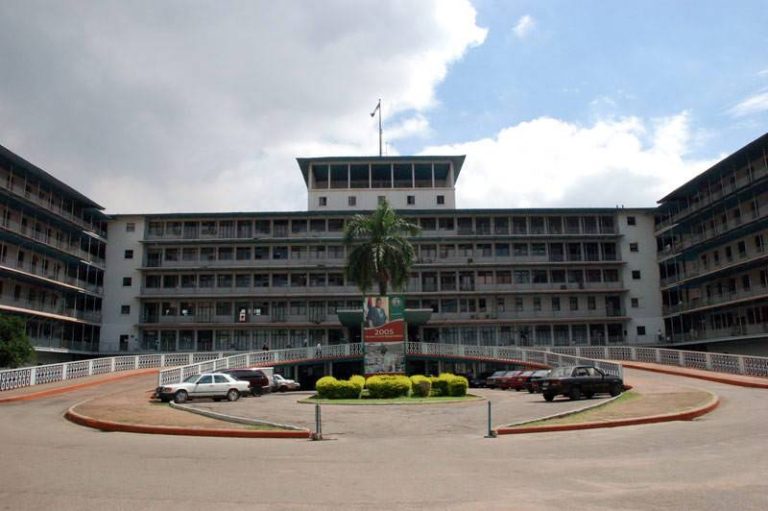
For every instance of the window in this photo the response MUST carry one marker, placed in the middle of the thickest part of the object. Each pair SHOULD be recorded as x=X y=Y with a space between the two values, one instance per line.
x=411 y=199
x=129 y=254
x=130 y=227
x=322 y=201
x=127 y=281
x=573 y=303
x=591 y=303
x=635 y=274
x=555 y=303
x=440 y=200
x=351 y=200
x=640 y=330
x=633 y=247
x=631 y=220
x=125 y=309
x=635 y=303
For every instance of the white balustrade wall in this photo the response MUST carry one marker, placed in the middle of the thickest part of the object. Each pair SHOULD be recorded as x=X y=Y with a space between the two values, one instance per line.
x=185 y=364
x=719 y=362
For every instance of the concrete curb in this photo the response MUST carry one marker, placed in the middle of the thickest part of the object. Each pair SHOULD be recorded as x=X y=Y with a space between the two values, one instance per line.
x=233 y=418
x=105 y=425
x=715 y=377
x=77 y=386
x=685 y=415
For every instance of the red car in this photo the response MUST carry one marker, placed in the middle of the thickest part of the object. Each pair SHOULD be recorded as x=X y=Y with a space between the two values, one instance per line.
x=505 y=381
x=519 y=381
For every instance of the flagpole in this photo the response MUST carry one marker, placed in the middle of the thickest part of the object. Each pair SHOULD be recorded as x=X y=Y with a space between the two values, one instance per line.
x=380 y=132
x=378 y=109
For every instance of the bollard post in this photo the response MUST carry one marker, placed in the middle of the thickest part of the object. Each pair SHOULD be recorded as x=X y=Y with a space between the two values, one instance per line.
x=318 y=424
x=491 y=432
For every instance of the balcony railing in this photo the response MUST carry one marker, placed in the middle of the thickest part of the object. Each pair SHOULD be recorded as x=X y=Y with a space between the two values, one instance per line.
x=42 y=237
x=19 y=191
x=35 y=306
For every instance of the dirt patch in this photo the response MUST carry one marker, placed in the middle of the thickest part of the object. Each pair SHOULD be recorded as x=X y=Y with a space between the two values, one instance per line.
x=133 y=405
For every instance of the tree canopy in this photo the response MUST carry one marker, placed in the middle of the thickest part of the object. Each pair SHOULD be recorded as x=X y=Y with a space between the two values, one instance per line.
x=15 y=348
x=379 y=252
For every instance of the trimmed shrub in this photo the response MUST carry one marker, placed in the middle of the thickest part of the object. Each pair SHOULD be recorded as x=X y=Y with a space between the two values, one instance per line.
x=329 y=387
x=326 y=387
x=440 y=384
x=457 y=386
x=421 y=385
x=358 y=381
x=388 y=386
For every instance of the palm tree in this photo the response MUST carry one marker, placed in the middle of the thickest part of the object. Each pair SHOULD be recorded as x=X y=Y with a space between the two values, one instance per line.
x=378 y=250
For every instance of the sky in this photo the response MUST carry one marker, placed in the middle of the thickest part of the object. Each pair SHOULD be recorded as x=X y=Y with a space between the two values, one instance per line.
x=178 y=106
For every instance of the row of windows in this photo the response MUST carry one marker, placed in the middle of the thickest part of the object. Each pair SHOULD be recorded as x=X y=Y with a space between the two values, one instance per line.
x=426 y=252
x=246 y=228
x=322 y=201
x=448 y=281
x=241 y=310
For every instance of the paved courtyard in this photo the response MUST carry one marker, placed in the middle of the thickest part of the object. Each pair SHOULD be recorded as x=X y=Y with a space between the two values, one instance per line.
x=715 y=462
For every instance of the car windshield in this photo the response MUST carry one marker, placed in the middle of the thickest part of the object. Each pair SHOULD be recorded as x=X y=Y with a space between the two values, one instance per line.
x=560 y=372
x=191 y=379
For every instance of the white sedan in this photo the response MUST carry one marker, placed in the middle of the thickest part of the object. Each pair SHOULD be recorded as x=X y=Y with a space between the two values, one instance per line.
x=216 y=385
x=281 y=384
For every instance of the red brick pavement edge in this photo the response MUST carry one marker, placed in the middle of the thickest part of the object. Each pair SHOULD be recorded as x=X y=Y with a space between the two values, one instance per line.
x=105 y=425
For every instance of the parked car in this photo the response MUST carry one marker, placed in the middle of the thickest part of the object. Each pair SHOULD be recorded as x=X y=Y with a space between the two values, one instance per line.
x=506 y=379
x=492 y=381
x=259 y=382
x=281 y=384
x=215 y=385
x=518 y=381
x=534 y=382
x=578 y=381
x=480 y=380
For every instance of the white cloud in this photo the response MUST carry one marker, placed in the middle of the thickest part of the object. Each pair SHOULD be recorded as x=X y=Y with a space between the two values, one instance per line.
x=548 y=162
x=524 y=26
x=752 y=105
x=166 y=106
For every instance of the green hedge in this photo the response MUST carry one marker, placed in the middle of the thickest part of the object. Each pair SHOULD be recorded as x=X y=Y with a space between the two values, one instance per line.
x=329 y=387
x=457 y=386
x=388 y=386
x=421 y=385
x=448 y=384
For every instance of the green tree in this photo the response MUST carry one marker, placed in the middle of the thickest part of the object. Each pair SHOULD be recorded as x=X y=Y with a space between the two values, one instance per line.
x=15 y=348
x=378 y=250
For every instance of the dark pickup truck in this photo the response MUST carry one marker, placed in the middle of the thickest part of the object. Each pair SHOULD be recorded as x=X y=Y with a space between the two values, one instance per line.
x=578 y=381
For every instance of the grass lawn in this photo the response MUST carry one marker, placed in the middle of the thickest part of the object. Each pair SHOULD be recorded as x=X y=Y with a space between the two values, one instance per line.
x=392 y=401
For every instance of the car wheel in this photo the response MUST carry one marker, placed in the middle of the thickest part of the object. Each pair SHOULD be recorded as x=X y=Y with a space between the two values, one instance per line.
x=615 y=390
x=256 y=392
x=589 y=395
x=283 y=389
x=181 y=397
x=575 y=393
x=518 y=390
x=530 y=390
x=548 y=396
x=233 y=395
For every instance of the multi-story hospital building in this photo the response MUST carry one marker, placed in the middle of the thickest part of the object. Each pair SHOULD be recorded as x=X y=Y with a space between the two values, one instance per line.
x=690 y=272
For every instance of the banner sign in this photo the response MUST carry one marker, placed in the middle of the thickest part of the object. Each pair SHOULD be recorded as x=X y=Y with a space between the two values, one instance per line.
x=383 y=317
x=384 y=335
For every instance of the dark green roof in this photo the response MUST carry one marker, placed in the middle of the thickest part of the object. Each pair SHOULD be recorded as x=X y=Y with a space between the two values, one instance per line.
x=39 y=173
x=304 y=163
x=756 y=148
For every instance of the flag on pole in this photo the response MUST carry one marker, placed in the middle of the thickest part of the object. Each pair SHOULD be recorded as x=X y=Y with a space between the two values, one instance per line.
x=378 y=106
